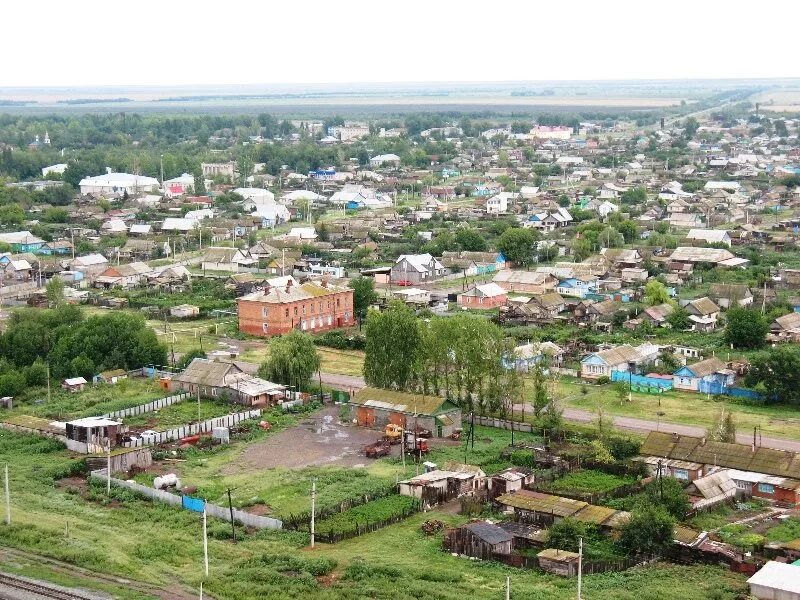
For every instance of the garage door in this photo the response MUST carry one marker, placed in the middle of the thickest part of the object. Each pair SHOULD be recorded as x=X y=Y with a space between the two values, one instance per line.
x=397 y=419
x=365 y=416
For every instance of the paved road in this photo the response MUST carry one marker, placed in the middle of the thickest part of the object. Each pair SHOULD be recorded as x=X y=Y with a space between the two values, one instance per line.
x=583 y=416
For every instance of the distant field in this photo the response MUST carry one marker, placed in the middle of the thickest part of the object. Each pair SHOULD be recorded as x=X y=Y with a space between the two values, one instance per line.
x=785 y=100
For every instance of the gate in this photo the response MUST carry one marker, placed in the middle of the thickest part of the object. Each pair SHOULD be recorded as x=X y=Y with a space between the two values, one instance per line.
x=365 y=416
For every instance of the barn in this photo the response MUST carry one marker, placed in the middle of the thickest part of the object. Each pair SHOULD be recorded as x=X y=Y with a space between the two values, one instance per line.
x=376 y=408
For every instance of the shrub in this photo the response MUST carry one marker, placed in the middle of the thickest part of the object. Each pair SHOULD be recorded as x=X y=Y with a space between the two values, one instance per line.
x=603 y=380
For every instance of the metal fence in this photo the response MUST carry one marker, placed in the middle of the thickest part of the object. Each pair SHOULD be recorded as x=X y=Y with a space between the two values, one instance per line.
x=178 y=433
x=146 y=408
x=212 y=510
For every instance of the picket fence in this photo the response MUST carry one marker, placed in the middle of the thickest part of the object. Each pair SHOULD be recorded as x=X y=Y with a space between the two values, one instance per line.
x=146 y=408
x=212 y=510
x=178 y=433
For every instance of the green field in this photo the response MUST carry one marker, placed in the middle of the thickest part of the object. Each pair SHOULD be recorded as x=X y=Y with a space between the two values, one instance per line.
x=181 y=413
x=681 y=407
x=136 y=539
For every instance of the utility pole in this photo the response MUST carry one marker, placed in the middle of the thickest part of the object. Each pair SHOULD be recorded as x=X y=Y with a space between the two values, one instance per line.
x=8 y=498
x=580 y=565
x=508 y=588
x=198 y=408
x=108 y=468
x=313 y=508
x=233 y=525
x=205 y=542
x=48 y=383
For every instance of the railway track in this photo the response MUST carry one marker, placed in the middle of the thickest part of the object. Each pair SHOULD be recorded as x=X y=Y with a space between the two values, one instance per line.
x=41 y=589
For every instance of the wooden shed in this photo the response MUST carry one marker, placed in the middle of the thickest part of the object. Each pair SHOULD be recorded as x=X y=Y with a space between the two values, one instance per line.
x=558 y=562
x=480 y=539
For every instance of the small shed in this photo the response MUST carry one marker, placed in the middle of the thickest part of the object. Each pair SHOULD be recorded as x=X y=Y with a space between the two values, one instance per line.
x=558 y=562
x=480 y=539
x=74 y=384
x=184 y=311
x=111 y=377
x=97 y=431
x=776 y=581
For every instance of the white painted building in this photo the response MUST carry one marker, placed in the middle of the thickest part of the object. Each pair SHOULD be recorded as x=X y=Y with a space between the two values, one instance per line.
x=118 y=183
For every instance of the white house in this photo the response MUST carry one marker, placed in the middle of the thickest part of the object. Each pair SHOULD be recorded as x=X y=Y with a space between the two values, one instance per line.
x=497 y=204
x=179 y=224
x=255 y=196
x=55 y=169
x=710 y=236
x=384 y=159
x=118 y=183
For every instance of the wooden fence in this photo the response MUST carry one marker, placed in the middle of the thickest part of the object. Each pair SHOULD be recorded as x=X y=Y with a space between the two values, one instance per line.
x=590 y=567
x=212 y=510
x=362 y=528
x=300 y=520
x=146 y=408
x=193 y=429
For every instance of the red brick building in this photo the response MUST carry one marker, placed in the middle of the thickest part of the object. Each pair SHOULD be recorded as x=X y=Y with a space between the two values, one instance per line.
x=488 y=295
x=311 y=307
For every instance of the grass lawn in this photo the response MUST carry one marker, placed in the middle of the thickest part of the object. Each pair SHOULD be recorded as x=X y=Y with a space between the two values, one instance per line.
x=340 y=362
x=587 y=481
x=680 y=407
x=787 y=531
x=181 y=413
x=94 y=400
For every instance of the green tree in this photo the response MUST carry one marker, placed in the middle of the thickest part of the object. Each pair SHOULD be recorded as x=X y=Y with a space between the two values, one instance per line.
x=628 y=230
x=293 y=360
x=581 y=249
x=724 y=429
x=517 y=245
x=540 y=397
x=199 y=183
x=470 y=239
x=668 y=493
x=649 y=530
x=364 y=296
x=55 y=292
x=635 y=195
x=393 y=347
x=745 y=328
x=655 y=293
x=566 y=533
x=187 y=358
x=679 y=319
x=777 y=371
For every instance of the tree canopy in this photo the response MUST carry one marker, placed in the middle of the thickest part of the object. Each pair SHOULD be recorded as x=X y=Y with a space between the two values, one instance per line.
x=517 y=245
x=293 y=360
x=745 y=328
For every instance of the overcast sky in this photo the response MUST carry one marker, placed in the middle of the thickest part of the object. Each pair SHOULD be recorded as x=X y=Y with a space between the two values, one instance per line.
x=177 y=42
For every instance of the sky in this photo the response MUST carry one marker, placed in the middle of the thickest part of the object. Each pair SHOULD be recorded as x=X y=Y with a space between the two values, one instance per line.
x=178 y=42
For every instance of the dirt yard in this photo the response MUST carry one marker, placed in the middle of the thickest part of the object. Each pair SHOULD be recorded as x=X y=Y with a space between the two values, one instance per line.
x=318 y=440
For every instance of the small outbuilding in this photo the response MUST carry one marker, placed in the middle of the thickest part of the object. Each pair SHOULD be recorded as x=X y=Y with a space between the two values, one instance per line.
x=74 y=384
x=776 y=581
x=558 y=562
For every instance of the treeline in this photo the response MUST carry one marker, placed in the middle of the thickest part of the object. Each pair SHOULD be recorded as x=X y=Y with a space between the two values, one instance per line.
x=460 y=357
x=73 y=345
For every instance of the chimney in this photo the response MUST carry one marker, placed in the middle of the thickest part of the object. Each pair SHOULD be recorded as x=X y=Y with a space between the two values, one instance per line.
x=267 y=289
x=288 y=285
x=674 y=436
x=324 y=282
x=703 y=441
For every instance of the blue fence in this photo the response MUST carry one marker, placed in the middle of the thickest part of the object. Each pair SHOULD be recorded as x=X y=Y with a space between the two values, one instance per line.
x=193 y=504
x=641 y=380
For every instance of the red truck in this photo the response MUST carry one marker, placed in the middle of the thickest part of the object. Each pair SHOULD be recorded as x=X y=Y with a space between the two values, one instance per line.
x=378 y=449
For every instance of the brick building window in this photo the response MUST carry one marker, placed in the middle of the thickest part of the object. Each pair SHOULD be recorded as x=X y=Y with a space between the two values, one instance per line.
x=264 y=311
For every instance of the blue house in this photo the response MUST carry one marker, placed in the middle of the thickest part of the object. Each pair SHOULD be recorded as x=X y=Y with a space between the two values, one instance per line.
x=577 y=287
x=22 y=241
x=709 y=376
x=57 y=248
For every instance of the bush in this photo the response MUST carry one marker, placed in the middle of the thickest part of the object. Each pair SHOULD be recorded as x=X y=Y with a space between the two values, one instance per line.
x=340 y=341
x=603 y=380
